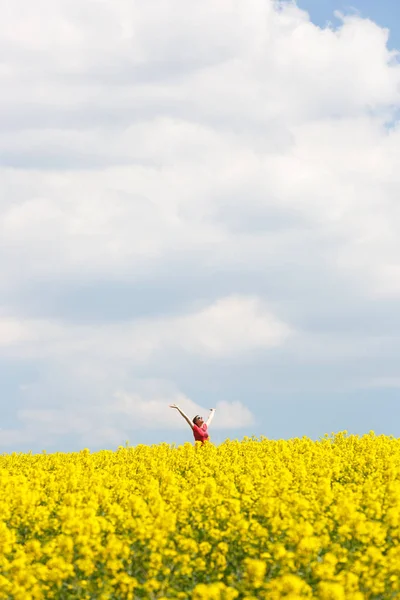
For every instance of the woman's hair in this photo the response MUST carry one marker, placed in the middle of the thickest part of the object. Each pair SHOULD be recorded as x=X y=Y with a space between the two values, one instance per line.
x=195 y=418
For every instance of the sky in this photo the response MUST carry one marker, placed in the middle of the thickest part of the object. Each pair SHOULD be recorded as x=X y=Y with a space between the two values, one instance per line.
x=385 y=13
x=198 y=205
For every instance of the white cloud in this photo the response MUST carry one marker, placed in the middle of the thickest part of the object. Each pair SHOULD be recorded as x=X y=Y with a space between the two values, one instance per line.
x=383 y=382
x=272 y=114
x=16 y=334
x=11 y=331
x=230 y=326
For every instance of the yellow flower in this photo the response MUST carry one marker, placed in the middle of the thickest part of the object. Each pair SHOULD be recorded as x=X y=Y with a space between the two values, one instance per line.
x=251 y=519
x=331 y=591
x=255 y=572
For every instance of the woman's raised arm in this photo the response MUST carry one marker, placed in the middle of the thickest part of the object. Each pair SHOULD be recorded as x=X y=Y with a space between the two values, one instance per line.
x=210 y=416
x=189 y=422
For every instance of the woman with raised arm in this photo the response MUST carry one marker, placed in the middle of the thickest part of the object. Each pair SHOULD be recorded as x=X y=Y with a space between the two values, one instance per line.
x=198 y=426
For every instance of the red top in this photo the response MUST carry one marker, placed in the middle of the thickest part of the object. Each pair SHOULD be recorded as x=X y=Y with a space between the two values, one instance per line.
x=200 y=433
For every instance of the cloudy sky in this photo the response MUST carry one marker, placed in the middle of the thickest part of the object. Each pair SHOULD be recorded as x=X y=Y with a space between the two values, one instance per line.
x=199 y=203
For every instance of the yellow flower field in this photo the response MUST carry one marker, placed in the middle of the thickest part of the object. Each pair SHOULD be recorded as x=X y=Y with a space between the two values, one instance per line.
x=252 y=519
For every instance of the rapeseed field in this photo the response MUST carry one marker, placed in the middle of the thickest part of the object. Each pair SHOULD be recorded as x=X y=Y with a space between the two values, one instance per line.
x=245 y=520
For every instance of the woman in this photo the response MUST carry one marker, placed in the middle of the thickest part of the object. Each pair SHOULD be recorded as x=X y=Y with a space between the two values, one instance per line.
x=199 y=427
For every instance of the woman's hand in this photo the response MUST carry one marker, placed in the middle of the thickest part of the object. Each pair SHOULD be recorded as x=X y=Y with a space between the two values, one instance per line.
x=173 y=406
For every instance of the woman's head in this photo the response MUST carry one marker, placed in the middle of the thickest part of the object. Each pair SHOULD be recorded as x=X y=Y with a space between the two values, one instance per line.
x=198 y=420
